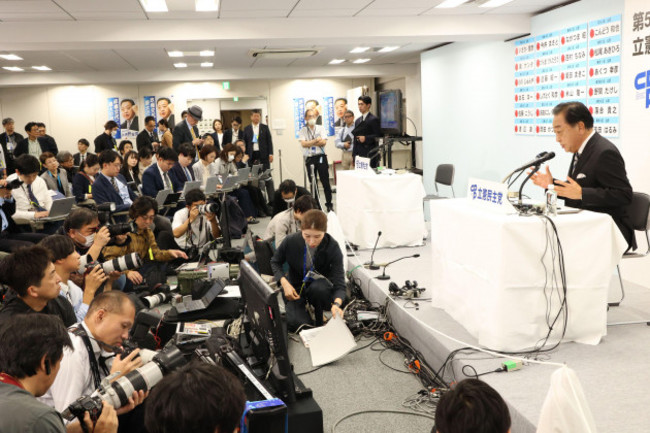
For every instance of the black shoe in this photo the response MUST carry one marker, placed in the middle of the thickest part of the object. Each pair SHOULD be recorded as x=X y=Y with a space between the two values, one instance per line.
x=329 y=207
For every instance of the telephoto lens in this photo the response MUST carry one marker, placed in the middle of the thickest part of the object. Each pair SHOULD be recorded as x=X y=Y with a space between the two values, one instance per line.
x=157 y=299
x=208 y=208
x=121 y=264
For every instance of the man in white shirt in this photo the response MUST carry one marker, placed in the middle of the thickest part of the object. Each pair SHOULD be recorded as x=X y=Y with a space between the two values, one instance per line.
x=33 y=199
x=107 y=323
x=192 y=229
x=313 y=139
x=345 y=141
x=66 y=261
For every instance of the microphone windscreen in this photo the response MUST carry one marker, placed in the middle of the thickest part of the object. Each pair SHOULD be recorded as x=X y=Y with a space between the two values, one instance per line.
x=416 y=255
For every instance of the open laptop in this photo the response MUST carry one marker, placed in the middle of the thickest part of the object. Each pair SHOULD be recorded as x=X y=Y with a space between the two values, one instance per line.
x=211 y=185
x=162 y=196
x=256 y=170
x=201 y=304
x=60 y=208
x=230 y=182
x=242 y=175
x=190 y=185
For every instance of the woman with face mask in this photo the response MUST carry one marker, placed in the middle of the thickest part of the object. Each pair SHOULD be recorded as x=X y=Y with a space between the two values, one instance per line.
x=225 y=166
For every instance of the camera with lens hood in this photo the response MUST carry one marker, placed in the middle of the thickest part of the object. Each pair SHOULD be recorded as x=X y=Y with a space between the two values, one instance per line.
x=120 y=264
x=208 y=208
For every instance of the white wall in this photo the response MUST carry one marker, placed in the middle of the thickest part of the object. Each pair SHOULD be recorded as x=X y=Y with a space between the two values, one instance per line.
x=467 y=113
x=73 y=112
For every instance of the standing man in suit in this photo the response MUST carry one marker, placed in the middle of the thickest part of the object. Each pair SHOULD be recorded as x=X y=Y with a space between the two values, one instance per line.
x=344 y=141
x=106 y=140
x=82 y=146
x=148 y=137
x=9 y=140
x=110 y=185
x=47 y=141
x=157 y=177
x=259 y=147
x=366 y=131
x=233 y=134
x=597 y=180
x=31 y=145
x=130 y=115
x=166 y=111
x=187 y=131
x=182 y=170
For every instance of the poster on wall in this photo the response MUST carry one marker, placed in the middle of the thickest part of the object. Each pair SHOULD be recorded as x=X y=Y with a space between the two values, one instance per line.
x=130 y=126
x=113 y=108
x=324 y=106
x=578 y=63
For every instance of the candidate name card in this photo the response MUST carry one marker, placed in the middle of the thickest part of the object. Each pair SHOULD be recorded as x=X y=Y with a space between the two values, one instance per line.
x=363 y=164
x=489 y=195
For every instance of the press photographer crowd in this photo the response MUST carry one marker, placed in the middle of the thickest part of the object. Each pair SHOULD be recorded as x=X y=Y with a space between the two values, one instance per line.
x=111 y=264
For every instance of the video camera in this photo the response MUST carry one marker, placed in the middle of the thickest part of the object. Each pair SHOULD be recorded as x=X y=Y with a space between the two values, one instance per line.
x=117 y=393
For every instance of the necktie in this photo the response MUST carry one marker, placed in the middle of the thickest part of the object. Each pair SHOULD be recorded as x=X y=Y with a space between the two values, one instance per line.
x=168 y=184
x=151 y=135
x=192 y=132
x=83 y=158
x=187 y=174
x=33 y=199
x=576 y=157
x=114 y=183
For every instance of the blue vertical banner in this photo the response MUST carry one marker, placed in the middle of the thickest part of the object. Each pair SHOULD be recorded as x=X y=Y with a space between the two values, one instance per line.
x=328 y=115
x=113 y=106
x=298 y=114
x=150 y=109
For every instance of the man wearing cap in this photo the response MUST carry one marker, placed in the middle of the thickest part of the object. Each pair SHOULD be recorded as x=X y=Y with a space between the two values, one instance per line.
x=187 y=131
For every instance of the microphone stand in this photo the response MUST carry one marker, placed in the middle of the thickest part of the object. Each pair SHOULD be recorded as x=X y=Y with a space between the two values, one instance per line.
x=532 y=172
x=383 y=276
x=371 y=264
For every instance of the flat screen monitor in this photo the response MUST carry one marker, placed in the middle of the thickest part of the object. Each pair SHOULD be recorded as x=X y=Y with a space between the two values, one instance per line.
x=267 y=334
x=390 y=112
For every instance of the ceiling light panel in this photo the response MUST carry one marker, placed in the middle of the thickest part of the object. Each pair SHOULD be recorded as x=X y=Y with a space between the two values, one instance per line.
x=494 y=3
x=12 y=68
x=359 y=50
x=336 y=61
x=154 y=5
x=361 y=61
x=387 y=49
x=10 y=57
x=207 y=64
x=451 y=3
x=175 y=53
x=42 y=68
x=206 y=53
x=206 y=5
x=180 y=65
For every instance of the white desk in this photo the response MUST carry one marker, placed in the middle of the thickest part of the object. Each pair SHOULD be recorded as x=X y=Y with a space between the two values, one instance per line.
x=366 y=204
x=489 y=277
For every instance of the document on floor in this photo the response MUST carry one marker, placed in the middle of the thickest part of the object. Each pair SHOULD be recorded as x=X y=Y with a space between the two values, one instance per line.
x=332 y=342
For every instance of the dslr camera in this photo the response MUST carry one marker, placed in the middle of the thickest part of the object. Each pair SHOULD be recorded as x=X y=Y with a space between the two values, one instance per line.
x=208 y=208
x=121 y=264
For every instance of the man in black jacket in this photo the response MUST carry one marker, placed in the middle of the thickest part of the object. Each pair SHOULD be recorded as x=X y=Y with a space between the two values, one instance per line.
x=366 y=132
x=148 y=137
x=234 y=133
x=187 y=131
x=9 y=140
x=316 y=274
x=32 y=145
x=47 y=141
x=597 y=180
x=259 y=146
x=286 y=195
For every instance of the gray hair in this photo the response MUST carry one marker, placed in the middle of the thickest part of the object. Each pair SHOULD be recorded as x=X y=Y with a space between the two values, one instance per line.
x=63 y=156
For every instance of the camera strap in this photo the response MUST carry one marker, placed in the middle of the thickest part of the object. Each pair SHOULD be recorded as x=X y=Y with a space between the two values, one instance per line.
x=94 y=365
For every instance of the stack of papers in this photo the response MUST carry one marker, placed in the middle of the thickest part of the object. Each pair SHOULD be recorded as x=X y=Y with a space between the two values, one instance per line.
x=328 y=343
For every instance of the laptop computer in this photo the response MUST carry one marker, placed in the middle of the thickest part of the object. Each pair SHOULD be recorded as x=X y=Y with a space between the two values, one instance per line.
x=242 y=174
x=201 y=304
x=230 y=182
x=60 y=208
x=256 y=170
x=211 y=185
x=162 y=196
x=190 y=185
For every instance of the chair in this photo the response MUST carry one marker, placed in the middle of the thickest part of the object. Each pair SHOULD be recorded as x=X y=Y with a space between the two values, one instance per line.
x=444 y=176
x=263 y=255
x=639 y=211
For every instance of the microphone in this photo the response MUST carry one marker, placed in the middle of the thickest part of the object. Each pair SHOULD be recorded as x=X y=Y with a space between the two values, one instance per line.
x=371 y=264
x=383 y=276
x=539 y=159
x=535 y=165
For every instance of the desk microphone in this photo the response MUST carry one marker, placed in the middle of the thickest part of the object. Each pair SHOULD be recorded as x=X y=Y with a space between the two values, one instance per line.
x=371 y=264
x=383 y=276
x=539 y=159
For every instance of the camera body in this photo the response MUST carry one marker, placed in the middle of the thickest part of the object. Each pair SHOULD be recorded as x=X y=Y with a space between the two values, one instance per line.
x=118 y=229
x=92 y=405
x=14 y=184
x=208 y=208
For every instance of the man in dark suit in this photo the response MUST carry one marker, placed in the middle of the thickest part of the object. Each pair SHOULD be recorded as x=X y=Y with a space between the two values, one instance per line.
x=129 y=111
x=79 y=157
x=597 y=180
x=182 y=171
x=105 y=140
x=233 y=134
x=47 y=141
x=32 y=145
x=157 y=177
x=366 y=132
x=110 y=185
x=187 y=131
x=9 y=140
x=259 y=147
x=148 y=137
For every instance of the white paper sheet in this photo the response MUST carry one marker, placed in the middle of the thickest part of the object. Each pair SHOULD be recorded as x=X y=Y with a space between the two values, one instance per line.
x=333 y=342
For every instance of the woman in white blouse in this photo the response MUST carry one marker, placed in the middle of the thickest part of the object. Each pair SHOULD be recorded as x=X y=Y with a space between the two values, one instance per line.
x=225 y=166
x=217 y=135
x=205 y=167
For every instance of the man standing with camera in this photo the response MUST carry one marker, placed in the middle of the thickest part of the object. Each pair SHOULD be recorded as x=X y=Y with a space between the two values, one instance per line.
x=193 y=226
x=95 y=342
x=31 y=348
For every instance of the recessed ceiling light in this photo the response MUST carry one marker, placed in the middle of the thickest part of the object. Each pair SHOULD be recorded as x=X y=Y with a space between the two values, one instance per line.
x=180 y=65
x=494 y=3
x=451 y=3
x=154 y=5
x=336 y=61
x=10 y=57
x=41 y=68
x=206 y=53
x=175 y=53
x=12 y=68
x=388 y=49
x=207 y=64
x=206 y=5
x=361 y=61
x=359 y=50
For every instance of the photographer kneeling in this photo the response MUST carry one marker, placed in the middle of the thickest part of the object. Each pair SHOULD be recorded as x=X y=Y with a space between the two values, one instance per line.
x=194 y=226
x=316 y=274
x=143 y=242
